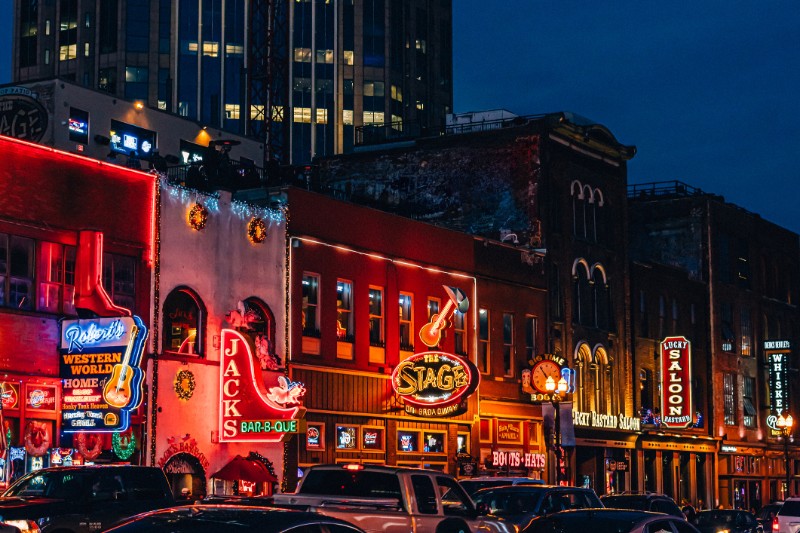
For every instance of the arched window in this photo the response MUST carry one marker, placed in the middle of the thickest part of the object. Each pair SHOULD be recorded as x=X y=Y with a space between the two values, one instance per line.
x=262 y=329
x=603 y=388
x=582 y=294
x=584 y=388
x=184 y=321
x=600 y=297
x=578 y=209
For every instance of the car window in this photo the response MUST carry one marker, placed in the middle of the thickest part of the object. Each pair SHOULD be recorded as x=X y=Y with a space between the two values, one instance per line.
x=107 y=486
x=352 y=483
x=454 y=500
x=579 y=500
x=555 y=502
x=659 y=526
x=666 y=506
x=425 y=494
x=144 y=484
x=790 y=508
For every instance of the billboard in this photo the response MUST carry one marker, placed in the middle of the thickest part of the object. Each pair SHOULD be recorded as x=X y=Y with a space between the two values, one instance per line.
x=100 y=372
x=127 y=138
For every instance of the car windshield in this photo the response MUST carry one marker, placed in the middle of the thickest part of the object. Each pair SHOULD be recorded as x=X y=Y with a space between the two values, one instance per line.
x=48 y=485
x=351 y=483
x=621 y=502
x=473 y=486
x=508 y=502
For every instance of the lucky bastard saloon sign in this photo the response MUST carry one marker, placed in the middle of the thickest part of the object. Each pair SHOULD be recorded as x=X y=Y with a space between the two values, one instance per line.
x=100 y=371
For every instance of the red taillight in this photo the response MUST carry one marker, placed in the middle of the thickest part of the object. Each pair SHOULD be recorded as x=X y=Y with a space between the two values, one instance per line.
x=353 y=467
x=775 y=526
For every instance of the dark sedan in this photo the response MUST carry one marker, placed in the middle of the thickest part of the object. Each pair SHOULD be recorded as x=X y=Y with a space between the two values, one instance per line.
x=608 y=521
x=727 y=521
x=520 y=503
x=215 y=518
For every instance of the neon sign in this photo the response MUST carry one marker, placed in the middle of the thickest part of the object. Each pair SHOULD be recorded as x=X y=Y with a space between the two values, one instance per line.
x=518 y=459
x=101 y=373
x=435 y=383
x=676 y=379
x=249 y=412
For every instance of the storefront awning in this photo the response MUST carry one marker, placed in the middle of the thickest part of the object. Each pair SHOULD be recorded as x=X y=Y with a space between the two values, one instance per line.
x=240 y=468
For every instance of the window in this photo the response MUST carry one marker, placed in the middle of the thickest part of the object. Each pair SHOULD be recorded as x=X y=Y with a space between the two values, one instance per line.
x=483 y=341
x=119 y=279
x=455 y=501
x=746 y=327
x=344 y=311
x=460 y=332
x=16 y=271
x=726 y=329
x=56 y=278
x=310 y=314
x=643 y=319
x=406 y=323
x=508 y=344
x=376 y=316
x=530 y=337
x=729 y=392
x=434 y=305
x=261 y=320
x=408 y=441
x=743 y=264
x=183 y=322
x=748 y=402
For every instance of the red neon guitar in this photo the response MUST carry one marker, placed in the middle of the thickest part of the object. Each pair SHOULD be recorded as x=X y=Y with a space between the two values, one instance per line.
x=431 y=333
x=117 y=392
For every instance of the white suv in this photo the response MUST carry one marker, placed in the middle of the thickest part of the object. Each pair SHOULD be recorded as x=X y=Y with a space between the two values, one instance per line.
x=788 y=518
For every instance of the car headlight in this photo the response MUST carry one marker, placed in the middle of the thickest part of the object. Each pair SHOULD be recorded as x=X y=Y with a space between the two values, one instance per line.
x=24 y=525
x=723 y=531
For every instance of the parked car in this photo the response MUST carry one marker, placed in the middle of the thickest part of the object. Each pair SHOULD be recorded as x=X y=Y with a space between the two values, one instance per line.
x=83 y=498
x=609 y=521
x=729 y=520
x=788 y=518
x=474 y=484
x=767 y=515
x=643 y=501
x=215 y=518
x=390 y=499
x=520 y=503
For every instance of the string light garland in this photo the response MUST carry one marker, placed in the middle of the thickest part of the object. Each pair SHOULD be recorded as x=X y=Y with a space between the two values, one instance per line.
x=257 y=230
x=184 y=384
x=198 y=216
x=286 y=346
x=123 y=451
x=246 y=210
x=154 y=335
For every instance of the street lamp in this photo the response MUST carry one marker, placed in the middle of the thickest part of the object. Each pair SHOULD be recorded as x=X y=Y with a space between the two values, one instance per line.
x=785 y=424
x=555 y=398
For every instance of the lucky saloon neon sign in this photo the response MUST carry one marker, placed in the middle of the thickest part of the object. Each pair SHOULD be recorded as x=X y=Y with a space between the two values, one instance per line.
x=249 y=412
x=676 y=379
x=100 y=368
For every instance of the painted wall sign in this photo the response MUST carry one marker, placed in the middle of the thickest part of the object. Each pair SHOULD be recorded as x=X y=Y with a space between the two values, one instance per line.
x=101 y=375
x=22 y=115
x=518 y=459
x=676 y=379
x=41 y=397
x=597 y=420
x=509 y=432
x=185 y=444
x=249 y=412
x=435 y=383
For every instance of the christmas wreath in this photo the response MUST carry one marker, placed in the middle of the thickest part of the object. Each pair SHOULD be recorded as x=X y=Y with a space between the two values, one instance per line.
x=123 y=445
x=184 y=384
x=90 y=446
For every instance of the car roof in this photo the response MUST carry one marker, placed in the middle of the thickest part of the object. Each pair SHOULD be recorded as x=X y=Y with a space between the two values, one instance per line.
x=531 y=488
x=624 y=515
x=377 y=468
x=635 y=496
x=501 y=478
x=277 y=519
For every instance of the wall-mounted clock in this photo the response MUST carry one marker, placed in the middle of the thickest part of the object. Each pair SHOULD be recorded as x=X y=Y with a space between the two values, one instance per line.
x=541 y=371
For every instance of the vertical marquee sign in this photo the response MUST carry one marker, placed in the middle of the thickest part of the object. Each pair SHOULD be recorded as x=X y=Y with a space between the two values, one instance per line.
x=249 y=412
x=676 y=380
x=777 y=354
x=100 y=372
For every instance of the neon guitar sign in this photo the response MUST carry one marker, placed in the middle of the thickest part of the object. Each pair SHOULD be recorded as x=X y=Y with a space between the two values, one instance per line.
x=431 y=333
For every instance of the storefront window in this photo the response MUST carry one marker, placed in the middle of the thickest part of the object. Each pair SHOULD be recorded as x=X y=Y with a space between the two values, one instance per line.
x=434 y=442
x=408 y=441
x=346 y=438
x=372 y=438
x=183 y=323
x=462 y=443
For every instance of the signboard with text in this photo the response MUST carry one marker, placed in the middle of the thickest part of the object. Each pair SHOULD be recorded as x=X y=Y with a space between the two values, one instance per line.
x=100 y=372
x=777 y=354
x=248 y=411
x=676 y=380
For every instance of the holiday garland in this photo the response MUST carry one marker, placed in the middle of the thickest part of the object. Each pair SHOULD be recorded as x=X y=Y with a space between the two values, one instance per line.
x=184 y=384
x=256 y=230
x=198 y=215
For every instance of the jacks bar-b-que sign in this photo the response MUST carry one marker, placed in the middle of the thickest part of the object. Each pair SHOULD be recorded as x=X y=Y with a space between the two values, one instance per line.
x=248 y=411
x=676 y=380
x=100 y=372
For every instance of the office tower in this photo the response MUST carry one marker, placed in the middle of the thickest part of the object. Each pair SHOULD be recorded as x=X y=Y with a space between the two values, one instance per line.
x=318 y=75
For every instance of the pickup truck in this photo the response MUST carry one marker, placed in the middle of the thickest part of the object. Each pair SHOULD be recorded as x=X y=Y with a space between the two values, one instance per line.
x=391 y=500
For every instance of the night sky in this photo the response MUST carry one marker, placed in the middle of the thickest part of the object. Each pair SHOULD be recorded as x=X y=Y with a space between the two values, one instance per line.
x=707 y=91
